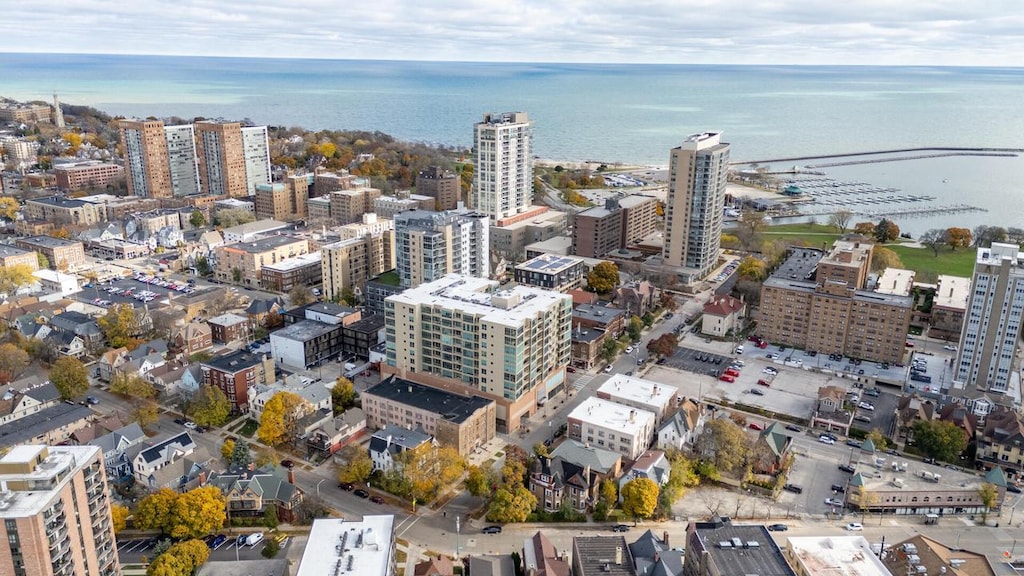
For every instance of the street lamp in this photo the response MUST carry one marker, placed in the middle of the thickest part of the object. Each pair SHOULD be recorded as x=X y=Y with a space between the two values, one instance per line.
x=457 y=527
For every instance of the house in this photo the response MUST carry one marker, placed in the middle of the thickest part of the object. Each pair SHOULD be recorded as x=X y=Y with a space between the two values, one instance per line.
x=829 y=413
x=679 y=430
x=653 y=557
x=491 y=565
x=259 y=311
x=86 y=327
x=909 y=411
x=143 y=365
x=66 y=344
x=110 y=363
x=652 y=464
x=604 y=462
x=330 y=433
x=96 y=428
x=541 y=558
x=167 y=378
x=151 y=457
x=436 y=566
x=771 y=449
x=961 y=417
x=51 y=425
x=923 y=555
x=185 y=473
x=637 y=298
x=390 y=441
x=249 y=493
x=722 y=315
x=191 y=379
x=1001 y=440
x=16 y=404
x=315 y=395
x=556 y=482
x=191 y=338
x=115 y=447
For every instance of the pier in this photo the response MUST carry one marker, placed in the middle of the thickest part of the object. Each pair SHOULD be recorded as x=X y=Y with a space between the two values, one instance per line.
x=950 y=151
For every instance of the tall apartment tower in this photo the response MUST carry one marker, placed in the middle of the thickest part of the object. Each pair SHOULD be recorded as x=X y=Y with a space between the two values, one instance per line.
x=444 y=186
x=146 y=162
x=696 y=200
x=181 y=158
x=221 y=158
x=992 y=322
x=55 y=509
x=503 y=181
x=431 y=245
x=256 y=148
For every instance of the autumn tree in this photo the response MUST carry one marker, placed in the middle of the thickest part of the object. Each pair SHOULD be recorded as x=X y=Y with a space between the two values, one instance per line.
x=13 y=362
x=70 y=377
x=181 y=559
x=358 y=465
x=864 y=228
x=511 y=504
x=752 y=269
x=882 y=258
x=668 y=301
x=609 y=491
x=300 y=295
x=603 y=278
x=939 y=439
x=132 y=386
x=9 y=208
x=343 y=395
x=886 y=231
x=198 y=512
x=119 y=326
x=958 y=238
x=634 y=328
x=197 y=220
x=479 y=481
x=156 y=511
x=609 y=350
x=879 y=439
x=44 y=262
x=279 y=415
x=664 y=345
x=15 y=277
x=118 y=517
x=749 y=228
x=682 y=475
x=428 y=468
x=209 y=406
x=989 y=496
x=724 y=444
x=231 y=217
x=145 y=412
x=639 y=498
x=840 y=220
x=227 y=448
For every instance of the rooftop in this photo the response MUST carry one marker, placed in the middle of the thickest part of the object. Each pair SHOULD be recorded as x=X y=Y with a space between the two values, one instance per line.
x=952 y=292
x=877 y=476
x=311 y=259
x=263 y=567
x=60 y=202
x=305 y=330
x=638 y=390
x=265 y=244
x=702 y=141
x=235 y=361
x=597 y=313
x=608 y=414
x=998 y=252
x=362 y=548
x=600 y=555
x=936 y=558
x=255 y=227
x=634 y=200
x=49 y=241
x=835 y=556
x=799 y=264
x=550 y=263
x=895 y=281
x=28 y=428
x=228 y=319
x=455 y=408
x=40 y=465
x=738 y=549
x=8 y=250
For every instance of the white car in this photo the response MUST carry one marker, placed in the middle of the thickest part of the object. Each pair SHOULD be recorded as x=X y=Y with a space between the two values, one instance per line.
x=826 y=440
x=607 y=368
x=629 y=349
x=855 y=526
x=770 y=370
x=866 y=406
x=949 y=347
x=833 y=502
x=190 y=425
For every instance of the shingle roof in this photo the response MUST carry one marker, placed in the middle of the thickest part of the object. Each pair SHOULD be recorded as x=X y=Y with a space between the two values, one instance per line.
x=598 y=459
x=159 y=451
x=34 y=425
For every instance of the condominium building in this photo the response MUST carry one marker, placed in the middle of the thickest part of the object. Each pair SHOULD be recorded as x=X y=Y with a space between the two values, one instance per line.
x=55 y=507
x=402 y=201
x=349 y=264
x=349 y=205
x=431 y=245
x=25 y=113
x=466 y=334
x=221 y=158
x=146 y=159
x=949 y=306
x=641 y=394
x=256 y=149
x=612 y=426
x=63 y=211
x=81 y=175
x=337 y=546
x=284 y=201
x=242 y=262
x=621 y=222
x=818 y=301
x=62 y=254
x=182 y=161
x=235 y=373
x=20 y=150
x=510 y=239
x=991 y=331
x=327 y=182
x=11 y=256
x=698 y=170
x=503 y=180
x=444 y=186
x=285 y=275
x=551 y=272
x=457 y=420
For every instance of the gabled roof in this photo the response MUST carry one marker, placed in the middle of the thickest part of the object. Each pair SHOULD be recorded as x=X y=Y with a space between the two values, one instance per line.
x=541 y=554
x=395 y=439
x=166 y=449
x=723 y=306
x=440 y=566
x=38 y=423
x=776 y=438
x=111 y=356
x=120 y=439
x=652 y=557
x=267 y=484
x=45 y=393
x=151 y=347
x=598 y=459
x=193 y=330
x=257 y=307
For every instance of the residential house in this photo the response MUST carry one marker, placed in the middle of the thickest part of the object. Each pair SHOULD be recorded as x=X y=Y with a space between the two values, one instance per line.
x=722 y=316
x=167 y=378
x=602 y=556
x=315 y=395
x=250 y=493
x=436 y=566
x=652 y=464
x=541 y=558
x=110 y=363
x=492 y=565
x=1001 y=440
x=909 y=411
x=191 y=338
x=331 y=433
x=143 y=365
x=653 y=557
x=51 y=425
x=637 y=298
x=18 y=403
x=556 y=482
x=115 y=447
x=962 y=417
x=66 y=344
x=98 y=426
x=601 y=461
x=923 y=555
x=191 y=379
x=235 y=373
x=387 y=443
x=151 y=457
x=228 y=328
x=259 y=310
x=829 y=413
x=81 y=325
x=770 y=449
x=682 y=428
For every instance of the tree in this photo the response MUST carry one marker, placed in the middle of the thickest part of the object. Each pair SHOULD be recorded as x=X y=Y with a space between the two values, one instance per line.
x=511 y=504
x=635 y=327
x=752 y=269
x=300 y=295
x=879 y=439
x=886 y=231
x=132 y=386
x=70 y=377
x=986 y=235
x=279 y=415
x=933 y=238
x=540 y=450
x=668 y=301
x=44 y=262
x=118 y=517
x=197 y=220
x=210 y=406
x=639 y=498
x=14 y=277
x=603 y=278
x=156 y=511
x=119 y=325
x=203 y=266
x=609 y=491
x=181 y=559
x=198 y=512
x=145 y=412
x=13 y=362
x=840 y=220
x=270 y=549
x=227 y=448
x=749 y=227
x=958 y=238
x=989 y=496
x=724 y=444
x=938 y=439
x=664 y=345
x=231 y=217
x=343 y=395
x=241 y=455
x=9 y=208
x=682 y=476
x=429 y=468
x=479 y=481
x=882 y=258
x=864 y=228
x=609 y=349
x=358 y=466
x=311 y=508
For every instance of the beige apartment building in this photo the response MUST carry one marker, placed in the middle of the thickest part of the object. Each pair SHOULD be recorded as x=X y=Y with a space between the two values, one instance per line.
x=62 y=211
x=62 y=254
x=221 y=159
x=87 y=175
x=457 y=420
x=11 y=256
x=147 y=161
x=283 y=201
x=350 y=263
x=467 y=335
x=349 y=205
x=442 y=185
x=25 y=113
x=242 y=262
x=621 y=222
x=819 y=301
x=55 y=508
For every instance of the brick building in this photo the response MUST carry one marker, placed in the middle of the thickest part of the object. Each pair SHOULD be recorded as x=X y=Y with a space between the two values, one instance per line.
x=59 y=252
x=235 y=373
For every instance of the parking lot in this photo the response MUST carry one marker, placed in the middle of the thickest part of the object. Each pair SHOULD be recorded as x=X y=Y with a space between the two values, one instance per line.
x=102 y=295
x=132 y=551
x=698 y=361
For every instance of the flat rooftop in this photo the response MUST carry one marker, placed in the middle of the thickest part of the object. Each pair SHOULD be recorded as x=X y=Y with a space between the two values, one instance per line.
x=638 y=390
x=997 y=252
x=858 y=295
x=612 y=415
x=235 y=361
x=595 y=212
x=60 y=462
x=561 y=245
x=311 y=259
x=455 y=408
x=634 y=200
x=7 y=250
x=877 y=476
x=895 y=281
x=597 y=313
x=266 y=244
x=836 y=556
x=60 y=202
x=227 y=319
x=48 y=241
x=550 y=263
x=304 y=330
x=952 y=292
x=740 y=549
x=362 y=548
x=255 y=227
x=799 y=264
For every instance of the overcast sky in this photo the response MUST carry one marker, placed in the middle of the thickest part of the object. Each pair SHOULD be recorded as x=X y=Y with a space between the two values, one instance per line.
x=883 y=32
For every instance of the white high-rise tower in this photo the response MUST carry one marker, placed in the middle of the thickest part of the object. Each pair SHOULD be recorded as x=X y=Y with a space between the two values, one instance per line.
x=503 y=181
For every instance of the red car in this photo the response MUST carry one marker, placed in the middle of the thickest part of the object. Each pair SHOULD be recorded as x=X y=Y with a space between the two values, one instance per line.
x=731 y=372
x=756 y=426
x=763 y=344
x=726 y=378
x=763 y=382
x=570 y=369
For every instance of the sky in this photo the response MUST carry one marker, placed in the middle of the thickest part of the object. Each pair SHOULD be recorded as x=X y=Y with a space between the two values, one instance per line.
x=871 y=32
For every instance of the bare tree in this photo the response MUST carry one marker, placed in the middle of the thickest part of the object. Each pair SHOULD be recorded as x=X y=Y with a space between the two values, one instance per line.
x=840 y=220
x=711 y=501
x=934 y=239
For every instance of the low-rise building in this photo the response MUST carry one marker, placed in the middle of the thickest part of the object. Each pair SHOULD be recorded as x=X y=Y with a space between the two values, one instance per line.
x=921 y=489
x=601 y=556
x=610 y=320
x=821 y=555
x=720 y=547
x=243 y=262
x=156 y=455
x=251 y=231
x=586 y=347
x=315 y=395
x=51 y=425
x=652 y=465
x=235 y=373
x=682 y=428
x=558 y=273
x=64 y=211
x=16 y=404
x=191 y=338
x=11 y=256
x=722 y=316
x=830 y=412
x=349 y=205
x=366 y=547
x=388 y=442
x=948 y=307
x=402 y=201
x=250 y=493
x=284 y=276
x=511 y=236
x=461 y=421
x=115 y=446
x=444 y=186
x=55 y=282
x=330 y=433
x=1001 y=441
x=923 y=555
x=641 y=394
x=306 y=343
x=61 y=254
x=228 y=328
x=626 y=430
x=87 y=175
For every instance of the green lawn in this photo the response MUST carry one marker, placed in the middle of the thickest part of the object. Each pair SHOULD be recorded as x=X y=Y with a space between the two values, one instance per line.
x=802 y=234
x=928 y=266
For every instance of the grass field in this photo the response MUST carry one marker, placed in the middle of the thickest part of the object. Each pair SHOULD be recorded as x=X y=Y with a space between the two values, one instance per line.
x=802 y=234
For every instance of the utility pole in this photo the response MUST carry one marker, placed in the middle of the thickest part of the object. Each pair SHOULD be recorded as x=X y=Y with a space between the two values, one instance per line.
x=457 y=527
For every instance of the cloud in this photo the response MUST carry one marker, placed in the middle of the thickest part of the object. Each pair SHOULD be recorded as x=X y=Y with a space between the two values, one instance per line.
x=938 y=32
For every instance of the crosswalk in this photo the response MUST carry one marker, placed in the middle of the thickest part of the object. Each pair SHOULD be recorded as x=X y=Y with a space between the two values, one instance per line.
x=582 y=382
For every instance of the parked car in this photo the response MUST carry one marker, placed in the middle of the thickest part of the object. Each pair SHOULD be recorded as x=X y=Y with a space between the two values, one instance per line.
x=866 y=406
x=838 y=488
x=949 y=347
x=833 y=502
x=607 y=368
x=726 y=378
x=346 y=486
x=376 y=500
x=826 y=440
x=620 y=528
x=491 y=530
x=362 y=493
x=756 y=426
x=756 y=392
x=847 y=468
x=732 y=372
x=92 y=400
x=218 y=541
x=778 y=528
x=190 y=425
x=288 y=464
x=1013 y=488
x=570 y=369
x=179 y=421
x=855 y=526
x=793 y=428
x=793 y=488
x=770 y=371
x=763 y=382
x=862 y=418
x=853 y=442
x=873 y=392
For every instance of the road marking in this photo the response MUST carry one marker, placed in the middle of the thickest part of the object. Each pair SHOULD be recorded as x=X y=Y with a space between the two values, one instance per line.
x=411 y=524
x=582 y=382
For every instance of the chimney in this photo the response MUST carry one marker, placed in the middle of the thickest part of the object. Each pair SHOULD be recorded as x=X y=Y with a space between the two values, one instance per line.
x=291 y=476
x=618 y=555
x=657 y=557
x=632 y=415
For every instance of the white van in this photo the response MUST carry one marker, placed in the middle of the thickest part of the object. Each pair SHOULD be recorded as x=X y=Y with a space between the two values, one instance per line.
x=254 y=539
x=349 y=367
